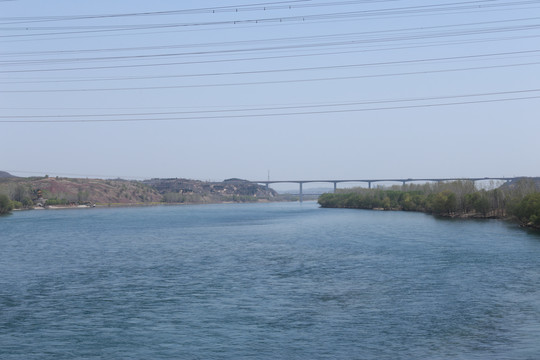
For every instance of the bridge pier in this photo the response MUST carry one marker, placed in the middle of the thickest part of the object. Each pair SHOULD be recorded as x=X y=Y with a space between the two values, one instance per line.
x=370 y=181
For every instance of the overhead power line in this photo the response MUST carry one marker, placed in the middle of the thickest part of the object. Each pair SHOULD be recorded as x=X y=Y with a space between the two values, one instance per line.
x=400 y=11
x=199 y=62
x=233 y=8
x=294 y=4
x=350 y=39
x=361 y=34
x=314 y=68
x=349 y=77
x=276 y=107
x=240 y=113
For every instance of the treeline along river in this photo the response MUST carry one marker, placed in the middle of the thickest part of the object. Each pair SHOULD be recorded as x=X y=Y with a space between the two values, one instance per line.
x=265 y=281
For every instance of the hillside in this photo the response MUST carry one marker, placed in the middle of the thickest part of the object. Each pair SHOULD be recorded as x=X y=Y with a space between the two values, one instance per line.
x=532 y=183
x=71 y=191
x=196 y=191
x=4 y=174
x=60 y=191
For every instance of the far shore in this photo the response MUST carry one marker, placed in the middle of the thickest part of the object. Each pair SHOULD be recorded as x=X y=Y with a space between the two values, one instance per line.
x=119 y=205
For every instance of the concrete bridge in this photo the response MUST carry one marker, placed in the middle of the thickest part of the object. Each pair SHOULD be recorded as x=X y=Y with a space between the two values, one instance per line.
x=371 y=181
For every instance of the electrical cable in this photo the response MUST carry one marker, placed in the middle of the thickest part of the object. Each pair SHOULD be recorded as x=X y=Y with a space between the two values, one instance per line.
x=423 y=72
x=315 y=68
x=426 y=9
x=312 y=112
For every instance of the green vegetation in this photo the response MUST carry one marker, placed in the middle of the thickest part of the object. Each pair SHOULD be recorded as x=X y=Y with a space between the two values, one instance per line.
x=5 y=205
x=527 y=211
x=55 y=201
x=174 y=197
x=240 y=198
x=455 y=199
x=16 y=204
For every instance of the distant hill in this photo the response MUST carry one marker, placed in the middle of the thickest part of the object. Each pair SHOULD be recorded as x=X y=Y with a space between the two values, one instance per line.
x=78 y=191
x=530 y=181
x=4 y=174
x=62 y=191
x=185 y=190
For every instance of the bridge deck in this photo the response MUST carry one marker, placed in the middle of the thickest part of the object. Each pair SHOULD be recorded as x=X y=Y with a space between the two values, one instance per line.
x=370 y=181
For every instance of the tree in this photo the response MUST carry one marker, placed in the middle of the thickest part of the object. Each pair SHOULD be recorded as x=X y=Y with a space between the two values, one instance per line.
x=27 y=202
x=478 y=202
x=528 y=210
x=386 y=204
x=5 y=205
x=442 y=203
x=20 y=193
x=482 y=205
x=82 y=196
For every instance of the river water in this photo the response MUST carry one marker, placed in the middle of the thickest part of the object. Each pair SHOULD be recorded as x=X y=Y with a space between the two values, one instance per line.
x=265 y=281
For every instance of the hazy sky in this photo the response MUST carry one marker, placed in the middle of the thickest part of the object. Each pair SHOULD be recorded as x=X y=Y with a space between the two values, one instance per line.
x=303 y=89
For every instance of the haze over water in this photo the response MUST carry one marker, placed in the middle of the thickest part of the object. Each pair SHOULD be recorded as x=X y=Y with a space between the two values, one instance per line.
x=265 y=281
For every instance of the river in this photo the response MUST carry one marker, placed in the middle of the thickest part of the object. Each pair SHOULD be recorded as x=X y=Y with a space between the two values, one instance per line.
x=265 y=281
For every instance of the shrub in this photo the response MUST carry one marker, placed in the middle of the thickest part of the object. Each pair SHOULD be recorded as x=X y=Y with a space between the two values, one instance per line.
x=528 y=209
x=16 y=204
x=55 y=201
x=5 y=205
x=27 y=202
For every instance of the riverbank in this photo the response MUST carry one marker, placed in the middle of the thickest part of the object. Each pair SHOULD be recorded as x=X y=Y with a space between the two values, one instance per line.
x=464 y=216
x=142 y=204
x=474 y=216
x=519 y=203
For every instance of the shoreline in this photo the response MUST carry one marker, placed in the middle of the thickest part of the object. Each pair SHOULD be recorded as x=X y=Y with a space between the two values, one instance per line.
x=457 y=216
x=127 y=205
